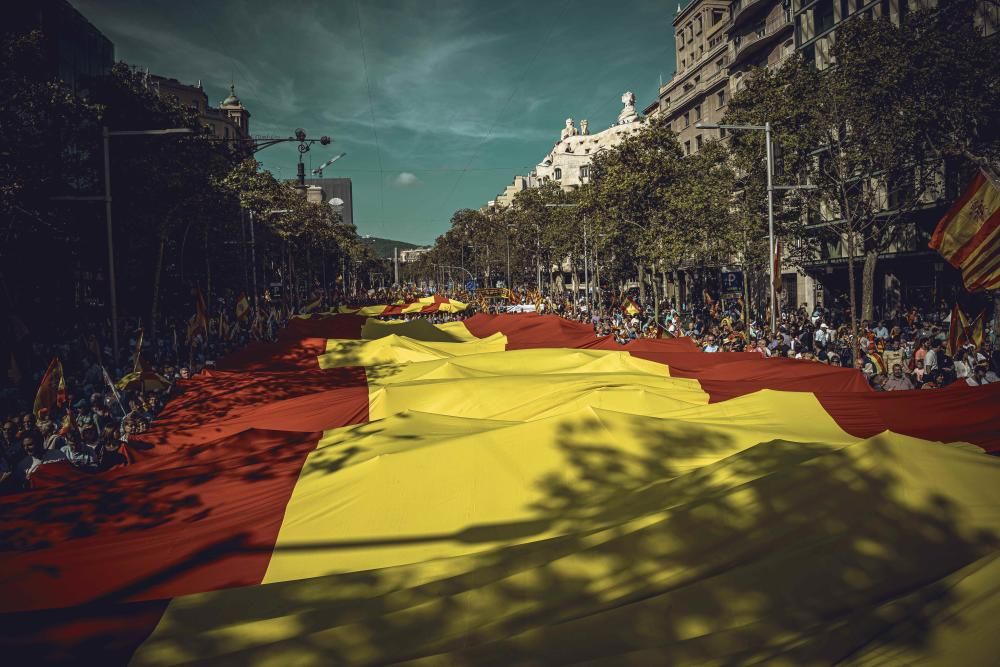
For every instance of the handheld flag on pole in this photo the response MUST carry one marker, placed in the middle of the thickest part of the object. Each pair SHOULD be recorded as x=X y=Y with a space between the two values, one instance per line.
x=52 y=389
x=242 y=307
x=630 y=307
x=136 y=364
x=199 y=322
x=976 y=335
x=958 y=332
x=313 y=305
x=968 y=236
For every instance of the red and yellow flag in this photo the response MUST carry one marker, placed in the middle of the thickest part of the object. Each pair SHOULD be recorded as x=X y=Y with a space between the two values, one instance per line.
x=366 y=491
x=958 y=332
x=976 y=330
x=313 y=305
x=199 y=321
x=968 y=236
x=52 y=389
x=630 y=307
x=242 y=307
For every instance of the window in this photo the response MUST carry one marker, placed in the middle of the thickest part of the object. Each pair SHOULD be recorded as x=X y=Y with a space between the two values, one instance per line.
x=680 y=41
x=720 y=99
x=697 y=142
x=687 y=148
x=722 y=133
x=557 y=174
x=697 y=113
x=585 y=171
x=683 y=64
x=717 y=15
x=823 y=16
x=845 y=9
x=687 y=119
x=720 y=64
x=697 y=26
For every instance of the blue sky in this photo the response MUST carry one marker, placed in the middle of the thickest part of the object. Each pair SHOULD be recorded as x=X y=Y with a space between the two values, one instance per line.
x=437 y=104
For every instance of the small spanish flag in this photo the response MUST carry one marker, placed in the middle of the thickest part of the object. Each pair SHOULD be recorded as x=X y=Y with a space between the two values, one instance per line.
x=52 y=388
x=199 y=321
x=976 y=331
x=242 y=307
x=630 y=307
x=958 y=331
x=968 y=236
x=313 y=305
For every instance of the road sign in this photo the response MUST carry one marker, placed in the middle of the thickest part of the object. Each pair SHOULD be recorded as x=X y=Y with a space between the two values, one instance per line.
x=732 y=282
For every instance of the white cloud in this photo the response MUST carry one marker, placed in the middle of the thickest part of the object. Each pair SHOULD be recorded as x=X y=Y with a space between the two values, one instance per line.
x=405 y=180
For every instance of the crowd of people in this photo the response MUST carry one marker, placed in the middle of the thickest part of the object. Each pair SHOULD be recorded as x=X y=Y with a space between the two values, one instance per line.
x=908 y=348
x=94 y=417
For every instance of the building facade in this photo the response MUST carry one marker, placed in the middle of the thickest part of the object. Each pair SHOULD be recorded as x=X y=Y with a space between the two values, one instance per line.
x=698 y=92
x=340 y=188
x=568 y=163
x=230 y=121
x=908 y=272
x=761 y=34
x=412 y=254
x=73 y=50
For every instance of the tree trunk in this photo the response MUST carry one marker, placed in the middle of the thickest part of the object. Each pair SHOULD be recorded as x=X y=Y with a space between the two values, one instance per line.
x=868 y=286
x=155 y=311
x=852 y=293
x=642 y=283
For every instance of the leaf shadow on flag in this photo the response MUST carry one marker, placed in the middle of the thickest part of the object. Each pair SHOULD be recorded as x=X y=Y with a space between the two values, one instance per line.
x=684 y=549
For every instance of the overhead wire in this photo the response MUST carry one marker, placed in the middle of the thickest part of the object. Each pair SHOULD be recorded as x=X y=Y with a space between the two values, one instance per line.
x=371 y=110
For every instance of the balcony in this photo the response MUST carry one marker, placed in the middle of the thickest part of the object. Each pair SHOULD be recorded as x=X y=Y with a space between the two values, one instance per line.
x=744 y=10
x=762 y=35
x=697 y=89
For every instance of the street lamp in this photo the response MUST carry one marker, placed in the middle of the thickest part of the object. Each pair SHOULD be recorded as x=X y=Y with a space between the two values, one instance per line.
x=507 y=235
x=105 y=135
x=766 y=128
x=303 y=147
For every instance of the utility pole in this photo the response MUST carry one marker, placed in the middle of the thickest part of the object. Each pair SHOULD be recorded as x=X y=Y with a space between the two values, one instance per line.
x=395 y=265
x=106 y=134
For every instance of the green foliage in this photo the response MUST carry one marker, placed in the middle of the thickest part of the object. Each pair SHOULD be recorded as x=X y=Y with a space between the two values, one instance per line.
x=44 y=132
x=663 y=207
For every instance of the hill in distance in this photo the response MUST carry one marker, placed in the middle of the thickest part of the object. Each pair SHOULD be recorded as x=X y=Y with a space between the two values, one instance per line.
x=383 y=247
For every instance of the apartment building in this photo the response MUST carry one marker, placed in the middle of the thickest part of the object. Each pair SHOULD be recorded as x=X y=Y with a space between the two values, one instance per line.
x=699 y=89
x=909 y=272
x=761 y=34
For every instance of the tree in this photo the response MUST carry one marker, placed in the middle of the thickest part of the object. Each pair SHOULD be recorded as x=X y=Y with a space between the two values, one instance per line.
x=871 y=132
x=662 y=207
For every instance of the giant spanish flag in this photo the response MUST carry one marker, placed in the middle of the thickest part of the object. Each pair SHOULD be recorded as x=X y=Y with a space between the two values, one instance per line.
x=512 y=489
x=968 y=236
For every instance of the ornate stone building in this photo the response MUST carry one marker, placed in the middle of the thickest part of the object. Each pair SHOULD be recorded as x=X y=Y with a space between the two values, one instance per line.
x=568 y=163
x=230 y=121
